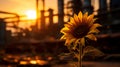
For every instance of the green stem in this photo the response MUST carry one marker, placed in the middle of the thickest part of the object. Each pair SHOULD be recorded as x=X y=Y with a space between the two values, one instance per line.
x=80 y=56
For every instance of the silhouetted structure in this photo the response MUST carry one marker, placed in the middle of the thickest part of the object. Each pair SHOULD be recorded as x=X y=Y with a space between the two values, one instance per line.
x=2 y=32
x=60 y=13
x=110 y=19
x=103 y=12
x=87 y=7
x=50 y=17
x=42 y=20
x=77 y=6
x=115 y=8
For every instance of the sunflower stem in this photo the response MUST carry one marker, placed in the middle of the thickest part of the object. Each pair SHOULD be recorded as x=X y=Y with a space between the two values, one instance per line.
x=80 y=56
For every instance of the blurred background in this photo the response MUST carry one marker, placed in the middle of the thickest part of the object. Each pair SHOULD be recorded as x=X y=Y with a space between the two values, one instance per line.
x=30 y=30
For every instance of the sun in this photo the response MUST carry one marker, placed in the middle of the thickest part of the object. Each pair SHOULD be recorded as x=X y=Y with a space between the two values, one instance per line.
x=31 y=14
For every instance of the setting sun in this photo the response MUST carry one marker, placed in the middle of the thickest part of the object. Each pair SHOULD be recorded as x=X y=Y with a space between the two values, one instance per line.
x=31 y=14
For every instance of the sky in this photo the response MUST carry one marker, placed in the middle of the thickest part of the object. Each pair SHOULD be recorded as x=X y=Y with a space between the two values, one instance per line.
x=21 y=6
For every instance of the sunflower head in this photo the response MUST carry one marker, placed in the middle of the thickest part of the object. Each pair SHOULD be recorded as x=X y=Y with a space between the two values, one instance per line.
x=81 y=26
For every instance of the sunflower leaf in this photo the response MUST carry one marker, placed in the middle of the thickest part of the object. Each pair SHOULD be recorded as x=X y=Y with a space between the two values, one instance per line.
x=71 y=41
x=91 y=51
x=76 y=43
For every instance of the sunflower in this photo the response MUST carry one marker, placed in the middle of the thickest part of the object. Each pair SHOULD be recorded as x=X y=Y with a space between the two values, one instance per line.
x=79 y=28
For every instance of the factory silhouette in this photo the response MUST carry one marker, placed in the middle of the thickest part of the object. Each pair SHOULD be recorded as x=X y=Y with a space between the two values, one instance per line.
x=108 y=15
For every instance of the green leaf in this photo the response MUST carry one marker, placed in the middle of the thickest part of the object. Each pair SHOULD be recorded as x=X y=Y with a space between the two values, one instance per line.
x=91 y=51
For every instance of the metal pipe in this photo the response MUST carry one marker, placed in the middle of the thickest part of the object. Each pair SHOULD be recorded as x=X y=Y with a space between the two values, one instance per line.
x=18 y=17
x=37 y=14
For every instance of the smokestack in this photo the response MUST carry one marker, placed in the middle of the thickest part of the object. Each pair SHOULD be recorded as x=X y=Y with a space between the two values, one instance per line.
x=87 y=6
x=60 y=13
x=77 y=6
x=50 y=16
x=102 y=6
x=42 y=20
x=115 y=8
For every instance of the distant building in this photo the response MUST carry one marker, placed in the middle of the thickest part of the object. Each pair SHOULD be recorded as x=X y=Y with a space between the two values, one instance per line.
x=2 y=31
x=115 y=8
x=87 y=7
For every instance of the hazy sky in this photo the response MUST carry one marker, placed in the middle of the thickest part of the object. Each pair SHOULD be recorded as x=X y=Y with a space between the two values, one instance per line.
x=20 y=6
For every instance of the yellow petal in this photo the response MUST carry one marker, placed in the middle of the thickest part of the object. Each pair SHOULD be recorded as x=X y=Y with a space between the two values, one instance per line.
x=69 y=36
x=91 y=37
x=72 y=21
x=84 y=19
x=67 y=42
x=92 y=21
x=71 y=25
x=68 y=25
x=80 y=16
x=76 y=19
x=93 y=31
x=90 y=18
x=63 y=37
x=94 y=26
x=65 y=30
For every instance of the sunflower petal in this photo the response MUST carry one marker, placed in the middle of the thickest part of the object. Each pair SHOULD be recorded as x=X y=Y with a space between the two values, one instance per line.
x=93 y=31
x=94 y=26
x=82 y=24
x=68 y=25
x=85 y=17
x=92 y=21
x=90 y=18
x=91 y=37
x=76 y=43
x=80 y=16
x=67 y=42
x=76 y=19
x=71 y=24
x=65 y=30
x=72 y=21
x=63 y=37
x=68 y=36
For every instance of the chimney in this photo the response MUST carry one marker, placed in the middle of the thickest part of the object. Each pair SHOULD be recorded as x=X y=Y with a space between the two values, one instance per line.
x=87 y=7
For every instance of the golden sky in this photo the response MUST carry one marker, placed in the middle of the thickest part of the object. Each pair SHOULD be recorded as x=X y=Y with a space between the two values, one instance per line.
x=21 y=6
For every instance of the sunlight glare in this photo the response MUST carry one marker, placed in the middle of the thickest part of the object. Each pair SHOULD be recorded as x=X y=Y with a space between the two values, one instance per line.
x=31 y=14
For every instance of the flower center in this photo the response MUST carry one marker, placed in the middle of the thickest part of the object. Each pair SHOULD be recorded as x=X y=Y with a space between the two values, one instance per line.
x=80 y=31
